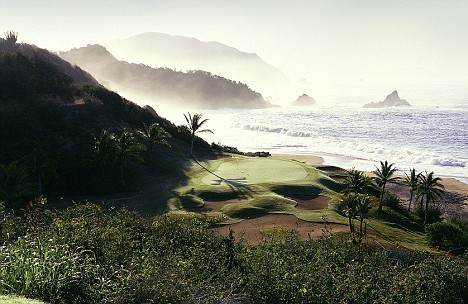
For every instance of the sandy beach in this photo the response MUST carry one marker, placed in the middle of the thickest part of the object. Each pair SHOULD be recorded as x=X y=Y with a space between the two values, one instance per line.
x=455 y=199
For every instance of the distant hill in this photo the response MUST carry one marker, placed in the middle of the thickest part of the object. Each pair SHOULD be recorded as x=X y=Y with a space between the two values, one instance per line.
x=186 y=53
x=392 y=100
x=163 y=86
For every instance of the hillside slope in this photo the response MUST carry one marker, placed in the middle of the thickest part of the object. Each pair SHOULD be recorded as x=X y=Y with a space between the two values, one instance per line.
x=163 y=86
x=46 y=116
x=76 y=74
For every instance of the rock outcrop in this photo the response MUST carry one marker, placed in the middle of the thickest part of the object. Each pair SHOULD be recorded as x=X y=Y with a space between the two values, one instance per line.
x=392 y=100
x=304 y=101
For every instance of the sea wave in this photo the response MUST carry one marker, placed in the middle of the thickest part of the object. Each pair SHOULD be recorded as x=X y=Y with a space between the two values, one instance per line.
x=448 y=162
x=279 y=130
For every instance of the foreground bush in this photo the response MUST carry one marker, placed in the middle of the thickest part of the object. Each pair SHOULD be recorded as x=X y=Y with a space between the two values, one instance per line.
x=449 y=236
x=86 y=254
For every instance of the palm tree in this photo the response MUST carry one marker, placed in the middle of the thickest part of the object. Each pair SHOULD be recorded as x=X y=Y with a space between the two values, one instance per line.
x=350 y=203
x=430 y=189
x=412 y=181
x=13 y=184
x=384 y=176
x=103 y=152
x=362 y=210
x=127 y=149
x=43 y=167
x=356 y=182
x=153 y=134
x=194 y=123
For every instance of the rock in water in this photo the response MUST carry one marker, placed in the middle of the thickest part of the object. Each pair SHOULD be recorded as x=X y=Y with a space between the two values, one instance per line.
x=392 y=100
x=304 y=101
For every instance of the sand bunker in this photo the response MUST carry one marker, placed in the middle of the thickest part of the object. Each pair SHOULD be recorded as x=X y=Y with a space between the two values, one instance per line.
x=213 y=206
x=305 y=202
x=249 y=229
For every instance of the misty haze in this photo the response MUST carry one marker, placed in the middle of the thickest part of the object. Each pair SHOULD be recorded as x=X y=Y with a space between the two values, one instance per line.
x=234 y=152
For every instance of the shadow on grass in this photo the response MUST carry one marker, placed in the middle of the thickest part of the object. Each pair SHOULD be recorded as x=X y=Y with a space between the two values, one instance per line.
x=235 y=184
x=148 y=185
x=397 y=219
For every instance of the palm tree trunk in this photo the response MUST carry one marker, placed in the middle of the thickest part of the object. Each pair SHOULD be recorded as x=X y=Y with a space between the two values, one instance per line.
x=191 y=145
x=425 y=211
x=381 y=197
x=122 y=181
x=410 y=200
x=39 y=183
x=360 y=228
x=351 y=225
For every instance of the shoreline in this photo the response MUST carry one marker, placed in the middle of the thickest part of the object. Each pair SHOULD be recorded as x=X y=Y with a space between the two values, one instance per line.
x=456 y=190
x=343 y=161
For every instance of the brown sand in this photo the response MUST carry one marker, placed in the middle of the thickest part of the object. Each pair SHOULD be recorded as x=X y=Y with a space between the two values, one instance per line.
x=308 y=159
x=456 y=193
x=305 y=202
x=214 y=205
x=249 y=229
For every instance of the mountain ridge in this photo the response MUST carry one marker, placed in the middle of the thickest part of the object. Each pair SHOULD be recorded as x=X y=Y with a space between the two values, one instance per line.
x=189 y=53
x=164 y=86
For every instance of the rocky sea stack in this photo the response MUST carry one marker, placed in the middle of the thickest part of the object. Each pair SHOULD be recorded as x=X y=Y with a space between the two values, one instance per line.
x=304 y=101
x=392 y=100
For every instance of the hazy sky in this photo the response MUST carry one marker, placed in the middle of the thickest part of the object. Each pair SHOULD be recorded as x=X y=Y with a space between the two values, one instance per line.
x=330 y=41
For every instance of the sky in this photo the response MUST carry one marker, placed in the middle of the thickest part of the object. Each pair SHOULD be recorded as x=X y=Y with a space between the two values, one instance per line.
x=326 y=42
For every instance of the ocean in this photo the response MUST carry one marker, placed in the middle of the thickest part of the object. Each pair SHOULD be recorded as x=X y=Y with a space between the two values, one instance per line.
x=427 y=138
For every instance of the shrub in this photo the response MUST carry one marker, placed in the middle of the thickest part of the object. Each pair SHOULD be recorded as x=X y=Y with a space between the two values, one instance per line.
x=449 y=236
x=391 y=200
x=433 y=215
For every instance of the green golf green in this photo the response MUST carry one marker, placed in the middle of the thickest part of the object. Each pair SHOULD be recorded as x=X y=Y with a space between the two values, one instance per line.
x=250 y=171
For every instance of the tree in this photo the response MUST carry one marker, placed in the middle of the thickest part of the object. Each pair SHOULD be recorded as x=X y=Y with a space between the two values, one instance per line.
x=412 y=181
x=43 y=167
x=383 y=176
x=127 y=148
x=362 y=210
x=153 y=134
x=194 y=124
x=356 y=182
x=13 y=182
x=103 y=152
x=430 y=189
x=350 y=203
x=11 y=37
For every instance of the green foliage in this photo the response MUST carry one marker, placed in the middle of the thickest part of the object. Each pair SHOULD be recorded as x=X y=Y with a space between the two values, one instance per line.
x=449 y=236
x=412 y=182
x=391 y=200
x=383 y=176
x=429 y=216
x=13 y=183
x=87 y=254
x=194 y=124
x=22 y=76
x=356 y=182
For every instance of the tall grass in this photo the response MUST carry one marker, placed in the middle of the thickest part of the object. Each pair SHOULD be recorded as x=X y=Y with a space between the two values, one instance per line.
x=86 y=254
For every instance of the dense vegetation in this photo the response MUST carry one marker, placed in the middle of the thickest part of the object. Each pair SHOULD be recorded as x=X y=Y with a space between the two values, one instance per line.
x=163 y=85
x=50 y=121
x=86 y=254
